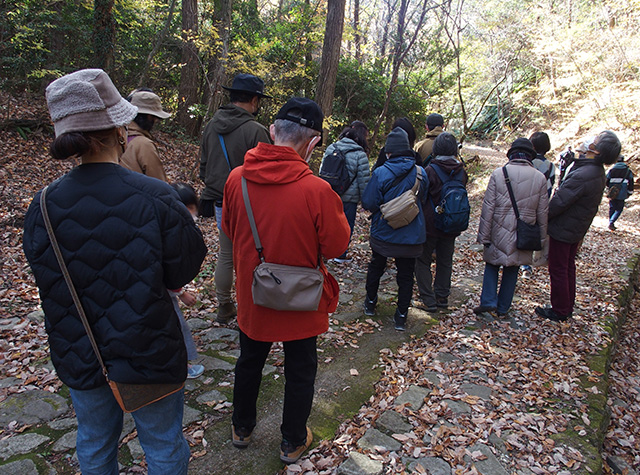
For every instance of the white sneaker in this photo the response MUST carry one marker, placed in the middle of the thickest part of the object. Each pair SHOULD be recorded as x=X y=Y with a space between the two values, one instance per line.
x=342 y=260
x=194 y=370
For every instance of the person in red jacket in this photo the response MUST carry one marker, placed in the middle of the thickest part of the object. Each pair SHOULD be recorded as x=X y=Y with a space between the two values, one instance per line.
x=299 y=219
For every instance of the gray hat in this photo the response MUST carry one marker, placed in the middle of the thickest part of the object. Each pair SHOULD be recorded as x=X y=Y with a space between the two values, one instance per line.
x=148 y=103
x=397 y=141
x=86 y=101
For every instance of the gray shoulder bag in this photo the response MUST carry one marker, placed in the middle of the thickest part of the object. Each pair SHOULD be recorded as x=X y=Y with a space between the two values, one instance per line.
x=279 y=286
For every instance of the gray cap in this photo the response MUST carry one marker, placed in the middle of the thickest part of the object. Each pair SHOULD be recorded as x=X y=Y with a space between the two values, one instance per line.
x=86 y=101
x=397 y=141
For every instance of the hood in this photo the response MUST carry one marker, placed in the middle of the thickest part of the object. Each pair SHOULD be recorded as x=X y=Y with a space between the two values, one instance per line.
x=448 y=164
x=229 y=117
x=269 y=164
x=346 y=145
x=400 y=165
x=435 y=132
x=134 y=130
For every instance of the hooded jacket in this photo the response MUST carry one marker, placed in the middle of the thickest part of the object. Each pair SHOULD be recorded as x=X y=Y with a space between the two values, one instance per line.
x=497 y=230
x=125 y=239
x=450 y=166
x=240 y=132
x=620 y=174
x=358 y=166
x=425 y=146
x=141 y=154
x=299 y=218
x=576 y=200
x=547 y=168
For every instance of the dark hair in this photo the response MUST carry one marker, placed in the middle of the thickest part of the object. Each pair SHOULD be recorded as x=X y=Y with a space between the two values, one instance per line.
x=608 y=146
x=241 y=96
x=74 y=144
x=445 y=145
x=357 y=132
x=187 y=194
x=406 y=125
x=541 y=142
x=145 y=121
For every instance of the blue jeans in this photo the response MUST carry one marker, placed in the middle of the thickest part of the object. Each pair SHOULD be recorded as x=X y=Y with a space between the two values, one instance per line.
x=490 y=297
x=615 y=210
x=159 y=428
x=350 y=210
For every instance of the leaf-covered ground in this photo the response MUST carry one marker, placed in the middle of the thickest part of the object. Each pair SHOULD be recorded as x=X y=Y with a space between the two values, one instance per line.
x=541 y=374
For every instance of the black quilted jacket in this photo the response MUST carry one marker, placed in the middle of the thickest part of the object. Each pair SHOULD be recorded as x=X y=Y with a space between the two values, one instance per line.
x=125 y=238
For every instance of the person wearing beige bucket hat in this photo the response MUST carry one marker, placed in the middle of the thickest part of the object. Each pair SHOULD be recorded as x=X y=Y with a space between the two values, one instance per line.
x=125 y=239
x=142 y=153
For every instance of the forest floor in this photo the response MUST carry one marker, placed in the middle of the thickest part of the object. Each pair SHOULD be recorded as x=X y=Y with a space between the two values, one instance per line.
x=455 y=394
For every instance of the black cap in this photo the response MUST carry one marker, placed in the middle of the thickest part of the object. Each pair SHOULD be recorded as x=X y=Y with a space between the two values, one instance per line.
x=445 y=145
x=248 y=83
x=306 y=113
x=524 y=146
x=434 y=120
x=397 y=142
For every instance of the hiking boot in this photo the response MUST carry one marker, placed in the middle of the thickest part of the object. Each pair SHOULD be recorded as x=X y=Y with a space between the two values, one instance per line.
x=483 y=309
x=550 y=314
x=422 y=305
x=289 y=453
x=240 y=437
x=370 y=306
x=612 y=226
x=400 y=321
x=226 y=312
x=442 y=302
x=194 y=371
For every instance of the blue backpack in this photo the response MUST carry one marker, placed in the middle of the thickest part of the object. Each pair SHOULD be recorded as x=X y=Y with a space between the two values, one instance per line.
x=334 y=170
x=451 y=215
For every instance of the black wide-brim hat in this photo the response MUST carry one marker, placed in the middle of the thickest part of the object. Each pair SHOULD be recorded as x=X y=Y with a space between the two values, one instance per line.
x=248 y=83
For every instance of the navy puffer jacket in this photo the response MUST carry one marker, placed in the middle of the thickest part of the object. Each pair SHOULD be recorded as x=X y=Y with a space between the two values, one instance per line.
x=125 y=238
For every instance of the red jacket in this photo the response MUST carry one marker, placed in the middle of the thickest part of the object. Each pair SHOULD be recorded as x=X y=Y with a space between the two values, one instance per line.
x=298 y=216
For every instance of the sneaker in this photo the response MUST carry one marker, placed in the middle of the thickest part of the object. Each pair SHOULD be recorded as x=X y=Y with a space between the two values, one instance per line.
x=370 y=306
x=240 y=437
x=342 y=260
x=194 y=370
x=289 y=453
x=400 y=321
x=612 y=226
x=226 y=312
x=442 y=303
x=483 y=309
x=432 y=308
x=526 y=274
x=550 y=314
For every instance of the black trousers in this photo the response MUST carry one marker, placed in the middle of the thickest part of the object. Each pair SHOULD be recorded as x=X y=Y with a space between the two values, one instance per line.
x=300 y=368
x=404 y=278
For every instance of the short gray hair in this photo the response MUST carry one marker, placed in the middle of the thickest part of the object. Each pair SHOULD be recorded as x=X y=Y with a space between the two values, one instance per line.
x=291 y=132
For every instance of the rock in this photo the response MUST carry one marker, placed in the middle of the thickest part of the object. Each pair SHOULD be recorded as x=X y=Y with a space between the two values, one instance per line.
x=20 y=467
x=490 y=466
x=210 y=363
x=618 y=465
x=217 y=346
x=190 y=415
x=483 y=392
x=446 y=357
x=63 y=424
x=391 y=422
x=498 y=443
x=432 y=377
x=414 y=396
x=221 y=334
x=360 y=464
x=192 y=384
x=21 y=444
x=196 y=324
x=374 y=438
x=66 y=442
x=433 y=465
x=135 y=448
x=235 y=354
x=36 y=316
x=458 y=407
x=268 y=369
x=128 y=424
x=8 y=382
x=211 y=396
x=9 y=323
x=32 y=407
x=479 y=375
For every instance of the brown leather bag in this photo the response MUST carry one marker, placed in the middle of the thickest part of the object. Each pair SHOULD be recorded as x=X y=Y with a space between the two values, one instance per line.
x=403 y=209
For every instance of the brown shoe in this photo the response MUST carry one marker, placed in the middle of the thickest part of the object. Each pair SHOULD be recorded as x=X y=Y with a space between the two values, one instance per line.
x=226 y=312
x=241 y=437
x=289 y=453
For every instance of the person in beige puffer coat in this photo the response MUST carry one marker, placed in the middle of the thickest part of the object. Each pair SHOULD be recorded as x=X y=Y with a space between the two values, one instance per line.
x=497 y=230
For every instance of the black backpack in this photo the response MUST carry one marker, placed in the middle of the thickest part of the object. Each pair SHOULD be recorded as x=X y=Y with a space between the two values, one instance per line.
x=334 y=170
x=451 y=214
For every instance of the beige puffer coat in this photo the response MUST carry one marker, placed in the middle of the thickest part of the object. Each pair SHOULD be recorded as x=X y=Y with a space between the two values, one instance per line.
x=497 y=229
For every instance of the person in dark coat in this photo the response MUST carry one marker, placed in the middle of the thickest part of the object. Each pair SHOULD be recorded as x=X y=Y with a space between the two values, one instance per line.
x=406 y=125
x=571 y=211
x=126 y=239
x=620 y=182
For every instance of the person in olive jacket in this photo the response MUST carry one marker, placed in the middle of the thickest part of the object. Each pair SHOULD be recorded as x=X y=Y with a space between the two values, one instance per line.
x=571 y=211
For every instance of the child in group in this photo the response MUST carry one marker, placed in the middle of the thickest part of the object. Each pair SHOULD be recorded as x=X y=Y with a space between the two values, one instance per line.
x=190 y=199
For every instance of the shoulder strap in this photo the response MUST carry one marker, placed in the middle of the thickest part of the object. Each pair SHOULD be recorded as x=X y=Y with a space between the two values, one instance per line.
x=252 y=221
x=513 y=199
x=224 y=150
x=67 y=279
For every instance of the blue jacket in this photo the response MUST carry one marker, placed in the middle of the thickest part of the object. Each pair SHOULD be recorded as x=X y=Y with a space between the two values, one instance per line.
x=125 y=238
x=358 y=166
x=380 y=190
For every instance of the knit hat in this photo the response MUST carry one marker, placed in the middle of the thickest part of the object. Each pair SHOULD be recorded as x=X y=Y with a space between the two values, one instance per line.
x=524 y=146
x=445 y=145
x=85 y=101
x=303 y=111
x=434 y=120
x=148 y=103
x=397 y=141
x=248 y=83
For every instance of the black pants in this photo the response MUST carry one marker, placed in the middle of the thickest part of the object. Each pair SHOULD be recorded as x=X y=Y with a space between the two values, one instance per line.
x=404 y=278
x=300 y=367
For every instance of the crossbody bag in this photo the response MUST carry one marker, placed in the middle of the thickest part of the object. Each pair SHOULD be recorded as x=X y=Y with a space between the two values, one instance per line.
x=527 y=235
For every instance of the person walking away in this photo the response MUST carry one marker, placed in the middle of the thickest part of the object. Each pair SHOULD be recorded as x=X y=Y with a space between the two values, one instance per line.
x=404 y=244
x=226 y=139
x=498 y=225
x=571 y=211
x=406 y=125
x=299 y=220
x=141 y=154
x=435 y=294
x=435 y=126
x=125 y=239
x=353 y=148
x=566 y=159
x=620 y=185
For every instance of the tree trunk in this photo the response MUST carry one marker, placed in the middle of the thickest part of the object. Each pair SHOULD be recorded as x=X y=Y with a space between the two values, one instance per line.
x=326 y=87
x=104 y=34
x=161 y=36
x=189 y=77
x=217 y=75
x=356 y=29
